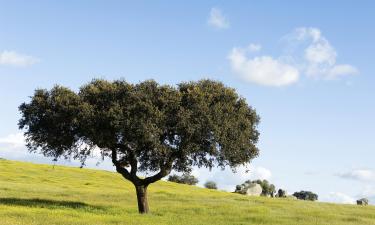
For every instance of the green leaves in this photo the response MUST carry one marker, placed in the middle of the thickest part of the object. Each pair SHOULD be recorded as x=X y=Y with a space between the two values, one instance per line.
x=50 y=121
x=151 y=127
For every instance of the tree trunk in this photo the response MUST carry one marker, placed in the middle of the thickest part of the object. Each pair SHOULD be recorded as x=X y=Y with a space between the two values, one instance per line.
x=142 y=198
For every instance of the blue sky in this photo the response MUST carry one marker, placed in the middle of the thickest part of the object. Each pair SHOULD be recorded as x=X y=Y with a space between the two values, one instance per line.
x=305 y=67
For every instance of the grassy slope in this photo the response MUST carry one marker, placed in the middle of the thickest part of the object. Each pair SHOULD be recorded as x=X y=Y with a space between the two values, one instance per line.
x=40 y=194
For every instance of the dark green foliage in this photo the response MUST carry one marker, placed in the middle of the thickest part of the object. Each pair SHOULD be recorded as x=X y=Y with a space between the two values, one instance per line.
x=306 y=195
x=184 y=179
x=143 y=127
x=281 y=193
x=210 y=185
x=362 y=201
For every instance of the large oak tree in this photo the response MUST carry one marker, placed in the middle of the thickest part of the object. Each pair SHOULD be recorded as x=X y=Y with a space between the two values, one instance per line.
x=144 y=127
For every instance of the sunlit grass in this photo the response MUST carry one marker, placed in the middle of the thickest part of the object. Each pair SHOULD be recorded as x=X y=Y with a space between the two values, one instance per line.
x=32 y=194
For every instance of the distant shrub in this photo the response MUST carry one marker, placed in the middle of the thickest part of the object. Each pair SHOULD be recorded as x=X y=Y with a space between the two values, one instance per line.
x=306 y=195
x=281 y=193
x=210 y=185
x=362 y=201
x=184 y=179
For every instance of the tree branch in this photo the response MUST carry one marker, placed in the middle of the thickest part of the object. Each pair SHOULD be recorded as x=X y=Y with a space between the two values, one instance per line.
x=123 y=171
x=132 y=158
x=165 y=169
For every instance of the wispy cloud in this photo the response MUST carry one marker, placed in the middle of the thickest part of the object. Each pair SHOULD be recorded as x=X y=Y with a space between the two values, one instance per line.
x=217 y=19
x=358 y=174
x=339 y=197
x=306 y=52
x=254 y=47
x=13 y=140
x=319 y=55
x=12 y=58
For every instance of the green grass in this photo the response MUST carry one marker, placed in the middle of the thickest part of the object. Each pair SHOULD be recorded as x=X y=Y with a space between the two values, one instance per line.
x=42 y=194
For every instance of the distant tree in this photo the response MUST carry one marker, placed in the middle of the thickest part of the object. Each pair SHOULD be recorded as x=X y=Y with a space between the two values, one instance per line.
x=362 y=201
x=306 y=195
x=144 y=127
x=281 y=193
x=174 y=178
x=272 y=190
x=210 y=185
x=184 y=179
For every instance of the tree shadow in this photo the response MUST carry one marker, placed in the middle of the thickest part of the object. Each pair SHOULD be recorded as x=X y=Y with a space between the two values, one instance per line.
x=47 y=203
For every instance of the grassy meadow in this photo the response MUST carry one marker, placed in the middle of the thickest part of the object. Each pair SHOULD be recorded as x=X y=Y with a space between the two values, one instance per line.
x=33 y=194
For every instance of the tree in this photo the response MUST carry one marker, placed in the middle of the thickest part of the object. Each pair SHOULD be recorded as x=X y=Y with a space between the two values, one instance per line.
x=184 y=179
x=144 y=127
x=306 y=195
x=281 y=193
x=210 y=185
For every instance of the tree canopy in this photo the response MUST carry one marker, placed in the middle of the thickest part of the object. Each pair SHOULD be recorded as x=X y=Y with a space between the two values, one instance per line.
x=183 y=179
x=306 y=195
x=210 y=185
x=144 y=127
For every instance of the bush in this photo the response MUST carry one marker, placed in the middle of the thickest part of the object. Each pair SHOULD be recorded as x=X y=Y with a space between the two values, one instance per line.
x=306 y=195
x=281 y=193
x=210 y=185
x=184 y=179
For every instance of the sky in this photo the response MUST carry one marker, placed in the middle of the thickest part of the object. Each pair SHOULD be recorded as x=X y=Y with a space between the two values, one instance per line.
x=306 y=67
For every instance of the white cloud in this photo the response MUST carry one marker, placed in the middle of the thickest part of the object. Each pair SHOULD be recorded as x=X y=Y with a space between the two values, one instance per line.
x=306 y=52
x=261 y=173
x=368 y=191
x=302 y=33
x=319 y=55
x=344 y=69
x=13 y=58
x=359 y=174
x=217 y=19
x=263 y=70
x=13 y=146
x=254 y=47
x=339 y=197
x=13 y=140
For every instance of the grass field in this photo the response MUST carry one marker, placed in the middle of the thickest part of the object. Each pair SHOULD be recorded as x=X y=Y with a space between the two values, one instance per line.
x=41 y=194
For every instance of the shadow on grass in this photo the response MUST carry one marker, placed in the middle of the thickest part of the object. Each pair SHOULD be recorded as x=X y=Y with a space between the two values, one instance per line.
x=46 y=203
